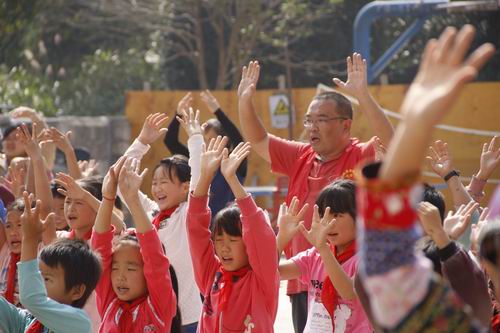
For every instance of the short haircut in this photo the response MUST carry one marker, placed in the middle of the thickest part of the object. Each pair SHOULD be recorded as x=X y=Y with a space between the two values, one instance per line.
x=17 y=205
x=216 y=125
x=434 y=197
x=343 y=106
x=176 y=166
x=489 y=242
x=80 y=264
x=339 y=196
x=228 y=220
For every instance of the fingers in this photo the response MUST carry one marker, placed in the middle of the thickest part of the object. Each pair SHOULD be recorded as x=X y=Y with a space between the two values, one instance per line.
x=339 y=83
x=427 y=55
x=316 y=218
x=445 y=41
x=480 y=56
x=302 y=212
x=484 y=214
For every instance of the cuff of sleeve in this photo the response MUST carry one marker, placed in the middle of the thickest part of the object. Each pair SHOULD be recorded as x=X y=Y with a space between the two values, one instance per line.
x=448 y=251
x=476 y=187
x=386 y=205
x=218 y=112
x=139 y=145
x=247 y=205
x=148 y=238
x=198 y=205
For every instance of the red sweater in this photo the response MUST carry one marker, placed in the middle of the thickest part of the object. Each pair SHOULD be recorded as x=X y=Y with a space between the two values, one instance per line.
x=156 y=312
x=253 y=302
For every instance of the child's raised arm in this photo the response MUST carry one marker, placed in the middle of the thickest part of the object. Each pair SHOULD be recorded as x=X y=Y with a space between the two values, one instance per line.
x=62 y=142
x=210 y=161
x=289 y=221
x=490 y=158
x=109 y=187
x=130 y=181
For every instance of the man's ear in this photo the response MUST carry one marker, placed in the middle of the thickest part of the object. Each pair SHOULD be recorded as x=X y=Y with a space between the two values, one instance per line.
x=347 y=125
x=77 y=292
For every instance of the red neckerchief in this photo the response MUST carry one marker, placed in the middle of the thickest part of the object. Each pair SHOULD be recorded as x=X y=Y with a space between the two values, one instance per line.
x=227 y=288
x=329 y=296
x=164 y=214
x=11 y=277
x=86 y=237
x=35 y=327
x=126 y=321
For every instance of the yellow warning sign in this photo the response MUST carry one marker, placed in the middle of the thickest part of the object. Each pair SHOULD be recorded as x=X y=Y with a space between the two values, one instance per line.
x=281 y=108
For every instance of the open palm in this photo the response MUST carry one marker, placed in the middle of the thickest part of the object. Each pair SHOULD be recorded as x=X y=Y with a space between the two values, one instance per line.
x=249 y=79
x=231 y=162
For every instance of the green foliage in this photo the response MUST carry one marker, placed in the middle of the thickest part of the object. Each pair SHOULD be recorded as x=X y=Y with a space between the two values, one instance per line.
x=101 y=81
x=19 y=87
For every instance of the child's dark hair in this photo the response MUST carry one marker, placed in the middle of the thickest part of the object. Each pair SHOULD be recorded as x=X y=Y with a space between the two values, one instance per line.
x=434 y=197
x=81 y=265
x=54 y=189
x=93 y=185
x=339 y=196
x=227 y=220
x=176 y=166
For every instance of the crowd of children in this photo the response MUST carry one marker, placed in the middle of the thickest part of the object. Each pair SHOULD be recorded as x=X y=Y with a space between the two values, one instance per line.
x=367 y=246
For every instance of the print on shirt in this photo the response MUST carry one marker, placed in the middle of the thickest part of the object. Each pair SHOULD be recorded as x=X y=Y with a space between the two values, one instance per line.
x=249 y=326
x=318 y=318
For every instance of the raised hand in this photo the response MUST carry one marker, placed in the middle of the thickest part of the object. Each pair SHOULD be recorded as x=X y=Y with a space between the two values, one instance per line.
x=153 y=128
x=71 y=188
x=490 y=158
x=212 y=156
x=440 y=158
x=476 y=230
x=17 y=181
x=190 y=121
x=443 y=73
x=32 y=226
x=431 y=222
x=231 y=162
x=210 y=101
x=130 y=178
x=28 y=140
x=53 y=135
x=290 y=220
x=456 y=223
x=185 y=103
x=249 y=79
x=357 y=82
x=88 y=168
x=110 y=182
x=320 y=228
x=380 y=149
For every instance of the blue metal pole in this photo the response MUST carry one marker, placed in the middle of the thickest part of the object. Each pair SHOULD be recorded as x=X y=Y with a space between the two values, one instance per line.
x=378 y=9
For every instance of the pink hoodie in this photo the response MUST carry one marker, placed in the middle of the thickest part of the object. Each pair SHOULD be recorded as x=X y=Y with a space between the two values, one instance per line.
x=156 y=312
x=253 y=302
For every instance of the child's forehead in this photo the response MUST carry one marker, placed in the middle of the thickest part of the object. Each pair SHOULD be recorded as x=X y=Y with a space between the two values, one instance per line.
x=57 y=270
x=162 y=172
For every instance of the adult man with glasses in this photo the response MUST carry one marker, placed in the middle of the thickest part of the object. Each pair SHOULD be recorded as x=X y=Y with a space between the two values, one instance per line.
x=331 y=152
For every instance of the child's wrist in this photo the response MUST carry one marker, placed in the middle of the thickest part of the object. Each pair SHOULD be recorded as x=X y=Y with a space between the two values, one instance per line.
x=481 y=175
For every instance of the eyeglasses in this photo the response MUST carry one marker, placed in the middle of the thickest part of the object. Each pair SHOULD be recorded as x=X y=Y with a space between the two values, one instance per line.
x=308 y=123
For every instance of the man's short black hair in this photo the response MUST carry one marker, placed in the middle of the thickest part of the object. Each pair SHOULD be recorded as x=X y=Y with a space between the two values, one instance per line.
x=343 y=106
x=81 y=265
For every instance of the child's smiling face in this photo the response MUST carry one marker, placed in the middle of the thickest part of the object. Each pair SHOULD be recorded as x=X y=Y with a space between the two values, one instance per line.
x=127 y=274
x=231 y=251
x=168 y=191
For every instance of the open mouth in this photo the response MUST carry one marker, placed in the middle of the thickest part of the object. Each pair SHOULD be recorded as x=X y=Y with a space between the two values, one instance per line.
x=122 y=290
x=314 y=139
x=227 y=260
x=333 y=234
x=15 y=243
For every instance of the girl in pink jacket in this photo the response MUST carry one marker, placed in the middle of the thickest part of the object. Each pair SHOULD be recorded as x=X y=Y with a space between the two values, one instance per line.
x=135 y=291
x=236 y=268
